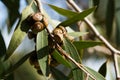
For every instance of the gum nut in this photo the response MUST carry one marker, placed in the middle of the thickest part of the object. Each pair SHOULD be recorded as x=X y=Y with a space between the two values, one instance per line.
x=37 y=16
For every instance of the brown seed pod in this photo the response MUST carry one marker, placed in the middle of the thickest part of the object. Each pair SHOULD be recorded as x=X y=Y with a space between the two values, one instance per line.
x=37 y=17
x=59 y=33
x=37 y=27
x=45 y=21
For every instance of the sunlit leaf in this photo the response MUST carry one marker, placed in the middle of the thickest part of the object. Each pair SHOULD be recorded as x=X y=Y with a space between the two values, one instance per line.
x=85 y=44
x=20 y=32
x=77 y=17
x=70 y=48
x=109 y=17
x=95 y=74
x=42 y=52
x=73 y=16
x=13 y=11
x=60 y=59
x=77 y=34
x=63 y=12
x=103 y=69
x=58 y=74
x=2 y=46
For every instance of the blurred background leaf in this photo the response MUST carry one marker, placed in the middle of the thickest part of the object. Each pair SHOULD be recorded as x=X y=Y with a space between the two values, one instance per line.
x=13 y=11
x=19 y=35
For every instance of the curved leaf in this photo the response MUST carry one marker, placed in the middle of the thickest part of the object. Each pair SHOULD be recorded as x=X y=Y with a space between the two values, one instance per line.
x=42 y=52
x=77 y=17
x=73 y=16
x=63 y=12
x=19 y=35
x=2 y=46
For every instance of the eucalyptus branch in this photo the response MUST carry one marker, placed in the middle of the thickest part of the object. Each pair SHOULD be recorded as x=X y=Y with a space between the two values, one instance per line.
x=92 y=27
x=106 y=43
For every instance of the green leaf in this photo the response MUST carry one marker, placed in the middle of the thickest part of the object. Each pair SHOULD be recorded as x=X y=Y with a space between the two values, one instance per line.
x=77 y=17
x=42 y=52
x=60 y=59
x=103 y=69
x=63 y=12
x=95 y=74
x=58 y=74
x=110 y=17
x=70 y=48
x=73 y=16
x=77 y=34
x=19 y=35
x=13 y=11
x=85 y=44
x=2 y=46
x=10 y=67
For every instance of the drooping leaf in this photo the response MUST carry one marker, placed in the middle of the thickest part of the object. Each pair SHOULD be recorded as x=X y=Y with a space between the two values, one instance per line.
x=63 y=12
x=77 y=34
x=60 y=59
x=77 y=17
x=103 y=69
x=95 y=74
x=70 y=48
x=73 y=16
x=109 y=17
x=2 y=46
x=58 y=74
x=20 y=32
x=85 y=44
x=13 y=11
x=42 y=52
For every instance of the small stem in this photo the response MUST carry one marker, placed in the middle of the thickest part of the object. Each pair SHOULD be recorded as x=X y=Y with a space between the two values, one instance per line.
x=38 y=5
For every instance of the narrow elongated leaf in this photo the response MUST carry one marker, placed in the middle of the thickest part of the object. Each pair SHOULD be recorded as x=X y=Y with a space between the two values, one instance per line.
x=73 y=16
x=19 y=35
x=2 y=46
x=42 y=52
x=58 y=74
x=63 y=12
x=103 y=69
x=77 y=34
x=85 y=44
x=77 y=17
x=70 y=48
x=109 y=17
x=95 y=74
x=60 y=59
